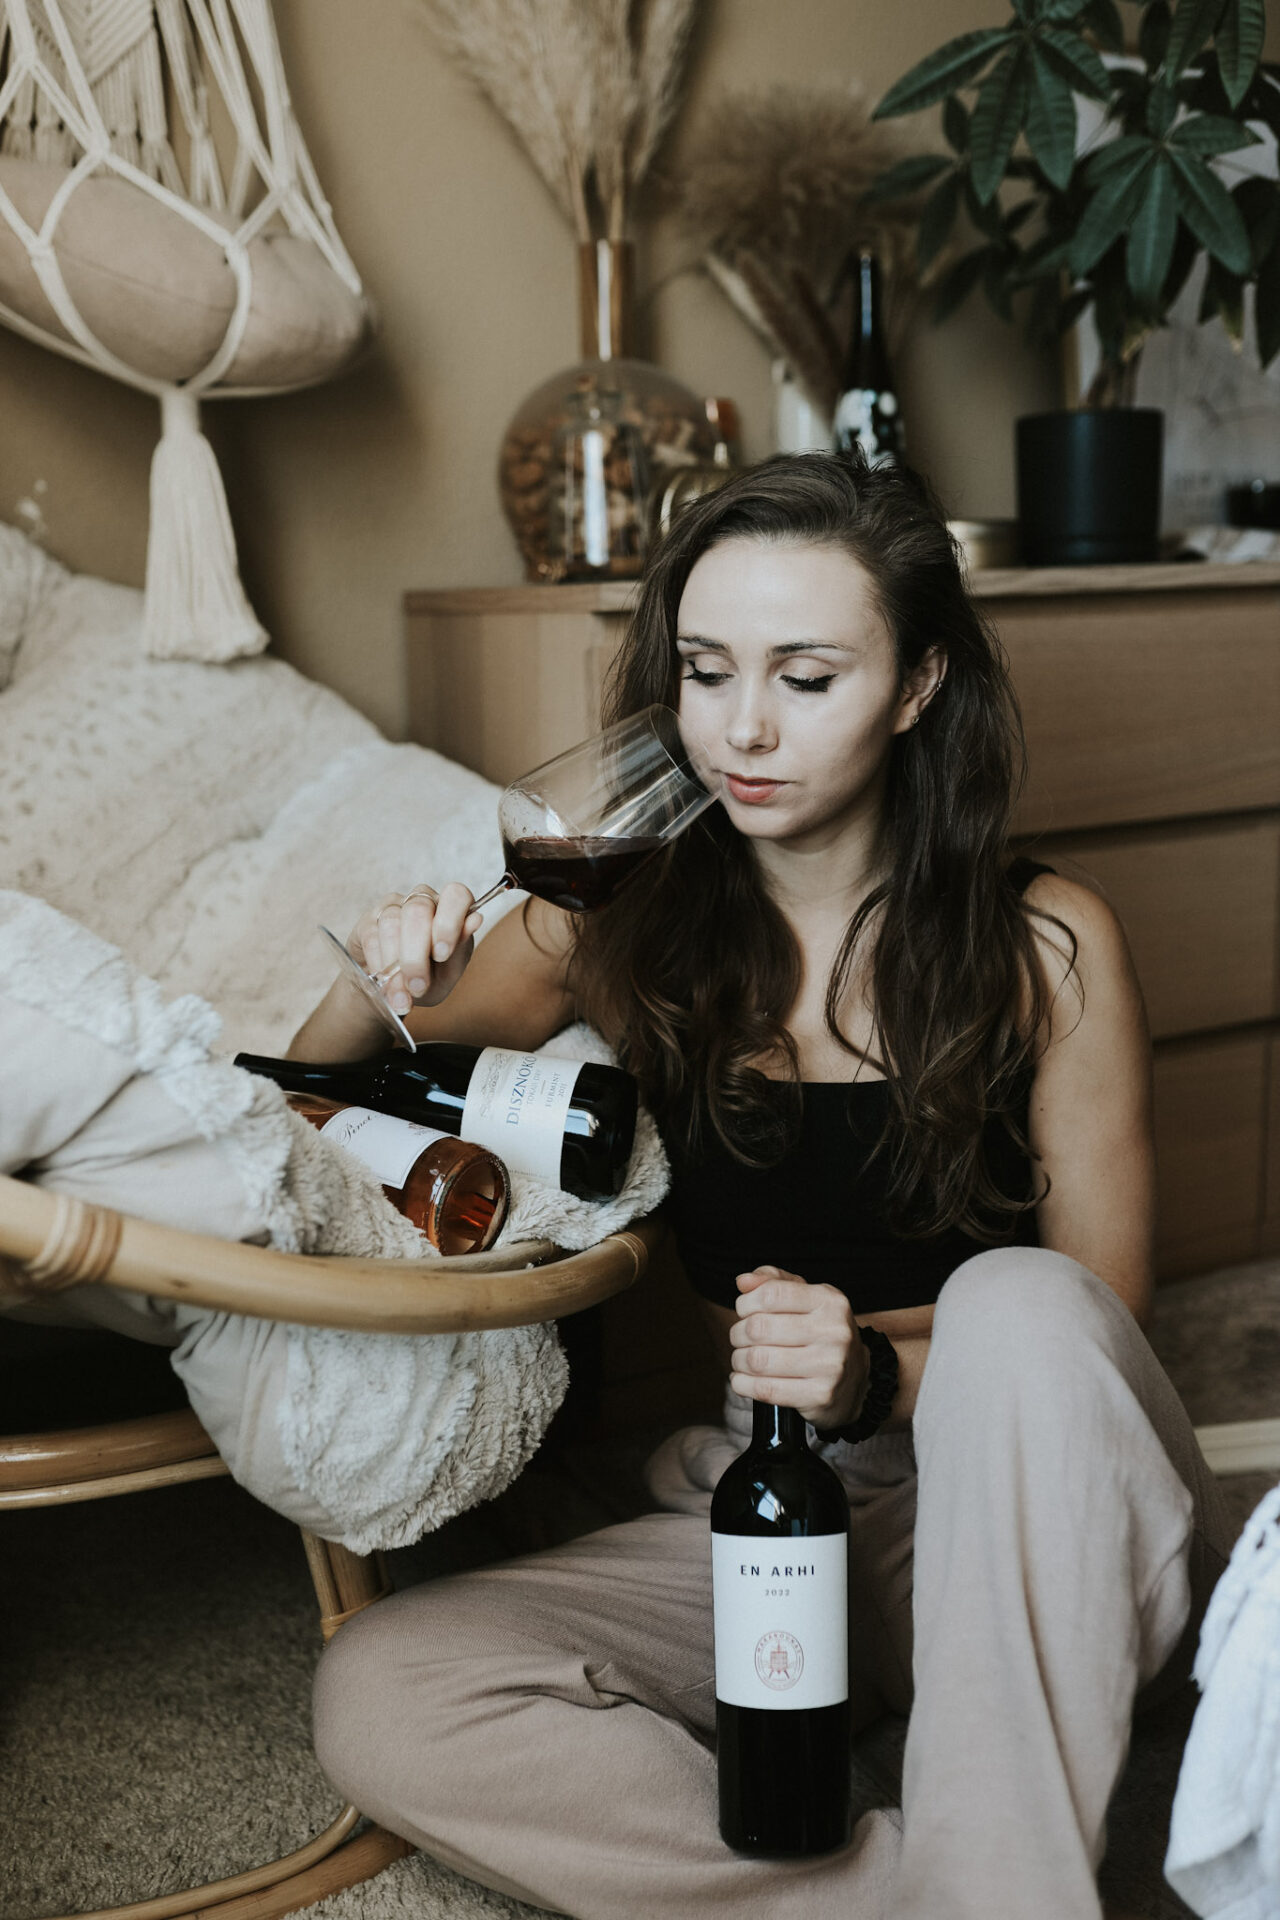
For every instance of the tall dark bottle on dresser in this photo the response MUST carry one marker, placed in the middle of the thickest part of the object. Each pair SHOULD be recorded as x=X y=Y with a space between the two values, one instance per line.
x=868 y=413
x=779 y=1557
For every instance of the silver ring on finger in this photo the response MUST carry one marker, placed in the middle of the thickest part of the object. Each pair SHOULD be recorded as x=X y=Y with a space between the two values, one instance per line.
x=421 y=893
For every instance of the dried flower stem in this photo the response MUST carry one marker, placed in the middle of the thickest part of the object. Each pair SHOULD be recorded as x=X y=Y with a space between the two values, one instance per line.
x=789 y=316
x=589 y=88
x=772 y=195
x=662 y=50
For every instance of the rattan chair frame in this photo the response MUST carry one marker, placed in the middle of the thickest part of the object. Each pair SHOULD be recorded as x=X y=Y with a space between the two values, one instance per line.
x=50 y=1241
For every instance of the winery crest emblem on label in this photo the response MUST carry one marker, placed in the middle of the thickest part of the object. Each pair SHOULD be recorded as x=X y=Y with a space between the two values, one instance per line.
x=779 y=1660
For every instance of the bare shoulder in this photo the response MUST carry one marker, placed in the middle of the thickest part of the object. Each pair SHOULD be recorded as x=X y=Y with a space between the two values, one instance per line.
x=1081 y=944
x=1089 y=918
x=1090 y=1112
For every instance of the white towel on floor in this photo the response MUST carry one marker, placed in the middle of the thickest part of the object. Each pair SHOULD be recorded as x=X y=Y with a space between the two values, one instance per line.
x=1224 y=1838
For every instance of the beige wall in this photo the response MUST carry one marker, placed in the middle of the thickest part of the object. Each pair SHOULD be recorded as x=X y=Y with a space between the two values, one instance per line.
x=346 y=496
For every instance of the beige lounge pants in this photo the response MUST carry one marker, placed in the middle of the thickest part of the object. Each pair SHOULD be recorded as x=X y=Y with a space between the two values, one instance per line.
x=1037 y=1551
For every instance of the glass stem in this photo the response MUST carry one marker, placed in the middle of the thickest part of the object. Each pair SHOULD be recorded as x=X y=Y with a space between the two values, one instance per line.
x=502 y=886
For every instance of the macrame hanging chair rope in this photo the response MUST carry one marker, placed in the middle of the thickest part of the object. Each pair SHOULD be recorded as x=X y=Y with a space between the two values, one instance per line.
x=91 y=94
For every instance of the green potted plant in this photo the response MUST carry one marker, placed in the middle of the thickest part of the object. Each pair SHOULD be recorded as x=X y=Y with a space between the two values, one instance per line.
x=1114 y=224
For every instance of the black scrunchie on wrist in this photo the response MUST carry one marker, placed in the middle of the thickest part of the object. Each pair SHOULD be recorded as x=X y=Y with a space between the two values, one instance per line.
x=882 y=1390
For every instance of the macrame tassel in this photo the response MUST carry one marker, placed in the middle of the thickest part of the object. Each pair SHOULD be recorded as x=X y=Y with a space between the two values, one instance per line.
x=196 y=607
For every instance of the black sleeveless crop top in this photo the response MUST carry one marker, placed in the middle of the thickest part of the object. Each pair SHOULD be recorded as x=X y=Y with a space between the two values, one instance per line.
x=820 y=1211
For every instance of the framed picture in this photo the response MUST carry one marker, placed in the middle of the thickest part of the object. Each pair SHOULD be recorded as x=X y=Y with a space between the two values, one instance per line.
x=1222 y=413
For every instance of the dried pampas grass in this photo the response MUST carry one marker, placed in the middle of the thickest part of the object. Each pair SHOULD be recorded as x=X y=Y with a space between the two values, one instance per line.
x=589 y=88
x=772 y=195
x=662 y=49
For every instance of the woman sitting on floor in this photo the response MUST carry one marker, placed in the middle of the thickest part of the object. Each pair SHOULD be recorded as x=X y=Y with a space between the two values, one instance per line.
x=904 y=1082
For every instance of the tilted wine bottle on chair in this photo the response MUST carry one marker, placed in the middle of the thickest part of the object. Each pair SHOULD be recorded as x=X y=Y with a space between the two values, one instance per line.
x=454 y=1192
x=568 y=1122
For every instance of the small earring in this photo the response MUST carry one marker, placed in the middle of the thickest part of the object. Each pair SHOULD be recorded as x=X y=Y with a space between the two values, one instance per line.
x=915 y=719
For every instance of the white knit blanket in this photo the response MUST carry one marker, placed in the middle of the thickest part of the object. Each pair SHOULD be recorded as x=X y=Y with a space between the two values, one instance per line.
x=202 y=820
x=390 y=1435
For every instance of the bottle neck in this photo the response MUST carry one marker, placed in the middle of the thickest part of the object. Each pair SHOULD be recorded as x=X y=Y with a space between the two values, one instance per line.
x=342 y=1081
x=867 y=302
x=867 y=364
x=776 y=1426
x=722 y=417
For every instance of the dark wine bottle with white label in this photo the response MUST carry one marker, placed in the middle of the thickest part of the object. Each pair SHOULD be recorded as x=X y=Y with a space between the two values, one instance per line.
x=568 y=1122
x=779 y=1559
x=868 y=414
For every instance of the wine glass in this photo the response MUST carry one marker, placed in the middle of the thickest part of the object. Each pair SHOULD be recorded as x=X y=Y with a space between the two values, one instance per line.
x=575 y=829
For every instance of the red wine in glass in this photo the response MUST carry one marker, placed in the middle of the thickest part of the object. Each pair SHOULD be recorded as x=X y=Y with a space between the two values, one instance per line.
x=576 y=829
x=578 y=873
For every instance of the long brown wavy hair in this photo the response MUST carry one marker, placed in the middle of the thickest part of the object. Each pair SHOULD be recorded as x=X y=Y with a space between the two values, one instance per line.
x=693 y=968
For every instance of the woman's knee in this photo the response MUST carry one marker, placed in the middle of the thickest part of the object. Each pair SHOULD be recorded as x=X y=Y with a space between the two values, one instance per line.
x=1026 y=1319
x=401 y=1684
x=1027 y=1291
x=355 y=1686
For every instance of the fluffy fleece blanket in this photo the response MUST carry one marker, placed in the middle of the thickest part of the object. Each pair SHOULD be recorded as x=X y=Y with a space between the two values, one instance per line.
x=1224 y=1835
x=397 y=1435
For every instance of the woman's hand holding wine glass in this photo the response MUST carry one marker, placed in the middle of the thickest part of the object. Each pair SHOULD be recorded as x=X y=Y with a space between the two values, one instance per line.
x=417 y=944
x=390 y=966
x=573 y=832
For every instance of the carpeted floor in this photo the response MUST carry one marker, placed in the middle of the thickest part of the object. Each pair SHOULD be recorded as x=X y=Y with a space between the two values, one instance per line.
x=157 y=1652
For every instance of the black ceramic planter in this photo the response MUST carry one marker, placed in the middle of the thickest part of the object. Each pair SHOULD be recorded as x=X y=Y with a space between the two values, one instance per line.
x=1089 y=486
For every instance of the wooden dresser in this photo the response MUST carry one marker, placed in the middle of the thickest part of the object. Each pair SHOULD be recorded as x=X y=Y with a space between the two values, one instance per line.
x=1151 y=697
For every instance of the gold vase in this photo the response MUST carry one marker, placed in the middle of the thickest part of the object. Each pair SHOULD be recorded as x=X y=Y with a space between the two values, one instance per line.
x=583 y=455
x=606 y=299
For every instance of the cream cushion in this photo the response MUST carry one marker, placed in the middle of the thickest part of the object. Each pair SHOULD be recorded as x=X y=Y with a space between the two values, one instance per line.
x=74 y=1116
x=158 y=293
x=206 y=818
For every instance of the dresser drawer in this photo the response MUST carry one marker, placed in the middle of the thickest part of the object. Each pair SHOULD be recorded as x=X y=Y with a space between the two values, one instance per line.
x=1211 y=1100
x=1146 y=707
x=1201 y=907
